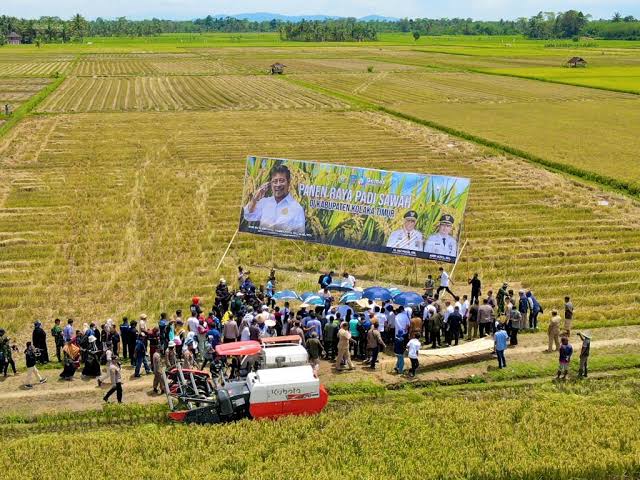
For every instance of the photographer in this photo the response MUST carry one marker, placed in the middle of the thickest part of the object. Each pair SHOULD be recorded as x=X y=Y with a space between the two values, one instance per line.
x=30 y=355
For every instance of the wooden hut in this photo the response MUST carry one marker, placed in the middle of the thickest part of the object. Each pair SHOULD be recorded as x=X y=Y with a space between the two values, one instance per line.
x=577 y=62
x=14 y=39
x=277 y=68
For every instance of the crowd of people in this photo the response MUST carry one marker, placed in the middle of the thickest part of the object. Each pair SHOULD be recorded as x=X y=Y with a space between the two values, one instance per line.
x=338 y=333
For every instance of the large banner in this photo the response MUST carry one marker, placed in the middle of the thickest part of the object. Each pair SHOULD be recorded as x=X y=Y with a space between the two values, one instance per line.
x=390 y=212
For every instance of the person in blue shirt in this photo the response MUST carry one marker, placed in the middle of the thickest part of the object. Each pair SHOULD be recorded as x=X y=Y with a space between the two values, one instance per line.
x=141 y=356
x=500 y=340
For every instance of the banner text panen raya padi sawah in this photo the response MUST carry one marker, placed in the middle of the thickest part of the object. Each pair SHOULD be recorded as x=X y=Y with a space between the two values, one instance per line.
x=398 y=213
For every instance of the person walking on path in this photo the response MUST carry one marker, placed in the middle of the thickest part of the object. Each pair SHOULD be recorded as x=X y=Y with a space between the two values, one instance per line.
x=375 y=343
x=435 y=324
x=30 y=356
x=140 y=354
x=554 y=331
x=565 y=352
x=115 y=371
x=500 y=342
x=413 y=347
x=584 y=353
x=444 y=283
x=568 y=316
x=344 y=339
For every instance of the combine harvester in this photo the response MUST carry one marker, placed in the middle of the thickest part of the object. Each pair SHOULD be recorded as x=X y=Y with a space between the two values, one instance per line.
x=269 y=380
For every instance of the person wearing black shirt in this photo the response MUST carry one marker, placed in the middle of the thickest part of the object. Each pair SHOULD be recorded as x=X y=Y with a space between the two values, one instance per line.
x=476 y=286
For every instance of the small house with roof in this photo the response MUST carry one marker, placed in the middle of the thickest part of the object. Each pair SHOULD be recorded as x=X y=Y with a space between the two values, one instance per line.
x=577 y=62
x=277 y=68
x=14 y=39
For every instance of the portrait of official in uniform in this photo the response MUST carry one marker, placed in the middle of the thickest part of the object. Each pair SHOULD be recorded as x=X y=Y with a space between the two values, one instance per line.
x=279 y=212
x=407 y=237
x=441 y=242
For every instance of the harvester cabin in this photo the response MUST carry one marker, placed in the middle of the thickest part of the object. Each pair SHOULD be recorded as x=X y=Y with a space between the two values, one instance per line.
x=577 y=62
x=14 y=39
x=277 y=68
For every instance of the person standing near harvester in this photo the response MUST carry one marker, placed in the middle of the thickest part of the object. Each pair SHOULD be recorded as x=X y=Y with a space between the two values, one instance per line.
x=584 y=353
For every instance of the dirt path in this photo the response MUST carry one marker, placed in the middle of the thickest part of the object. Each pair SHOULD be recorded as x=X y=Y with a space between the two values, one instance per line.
x=84 y=394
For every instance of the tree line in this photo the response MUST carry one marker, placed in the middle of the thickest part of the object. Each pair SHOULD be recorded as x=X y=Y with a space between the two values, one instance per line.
x=544 y=25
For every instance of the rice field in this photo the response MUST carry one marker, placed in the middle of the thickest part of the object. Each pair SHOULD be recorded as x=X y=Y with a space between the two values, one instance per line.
x=103 y=94
x=161 y=229
x=16 y=91
x=560 y=123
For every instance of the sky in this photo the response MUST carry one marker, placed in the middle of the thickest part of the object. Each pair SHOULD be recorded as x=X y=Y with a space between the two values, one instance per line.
x=187 y=9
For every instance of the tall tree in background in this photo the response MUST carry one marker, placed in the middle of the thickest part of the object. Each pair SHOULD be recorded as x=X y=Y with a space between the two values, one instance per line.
x=78 y=27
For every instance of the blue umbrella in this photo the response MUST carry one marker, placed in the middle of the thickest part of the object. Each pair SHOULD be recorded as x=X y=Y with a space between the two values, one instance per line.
x=286 y=295
x=377 y=293
x=339 y=288
x=305 y=295
x=350 y=297
x=394 y=291
x=408 y=299
x=342 y=310
x=314 y=300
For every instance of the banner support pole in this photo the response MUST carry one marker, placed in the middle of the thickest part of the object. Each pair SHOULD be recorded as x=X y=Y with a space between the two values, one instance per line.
x=227 y=250
x=458 y=258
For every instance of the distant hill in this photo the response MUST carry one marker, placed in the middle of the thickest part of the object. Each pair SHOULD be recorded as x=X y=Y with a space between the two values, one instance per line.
x=266 y=16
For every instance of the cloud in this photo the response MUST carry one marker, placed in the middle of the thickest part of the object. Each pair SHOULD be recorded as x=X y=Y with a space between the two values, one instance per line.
x=184 y=9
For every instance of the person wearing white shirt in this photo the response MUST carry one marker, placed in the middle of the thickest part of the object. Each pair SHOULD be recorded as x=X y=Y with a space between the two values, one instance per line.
x=407 y=237
x=403 y=321
x=348 y=281
x=280 y=212
x=382 y=319
x=464 y=309
x=444 y=283
x=413 y=347
x=192 y=324
x=442 y=242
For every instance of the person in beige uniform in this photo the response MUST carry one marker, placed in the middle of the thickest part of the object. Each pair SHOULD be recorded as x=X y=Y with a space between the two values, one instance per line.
x=554 y=331
x=115 y=372
x=344 y=338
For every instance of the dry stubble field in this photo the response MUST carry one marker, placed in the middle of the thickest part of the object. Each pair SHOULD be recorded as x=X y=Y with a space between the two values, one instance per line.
x=106 y=223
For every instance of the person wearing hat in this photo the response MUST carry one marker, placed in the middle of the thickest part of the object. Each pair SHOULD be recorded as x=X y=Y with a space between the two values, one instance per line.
x=554 y=331
x=279 y=212
x=222 y=296
x=92 y=360
x=142 y=323
x=115 y=372
x=407 y=237
x=442 y=242
x=584 y=353
x=170 y=355
x=39 y=340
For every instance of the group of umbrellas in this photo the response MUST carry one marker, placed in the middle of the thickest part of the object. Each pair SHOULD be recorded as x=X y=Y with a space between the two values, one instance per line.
x=350 y=295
